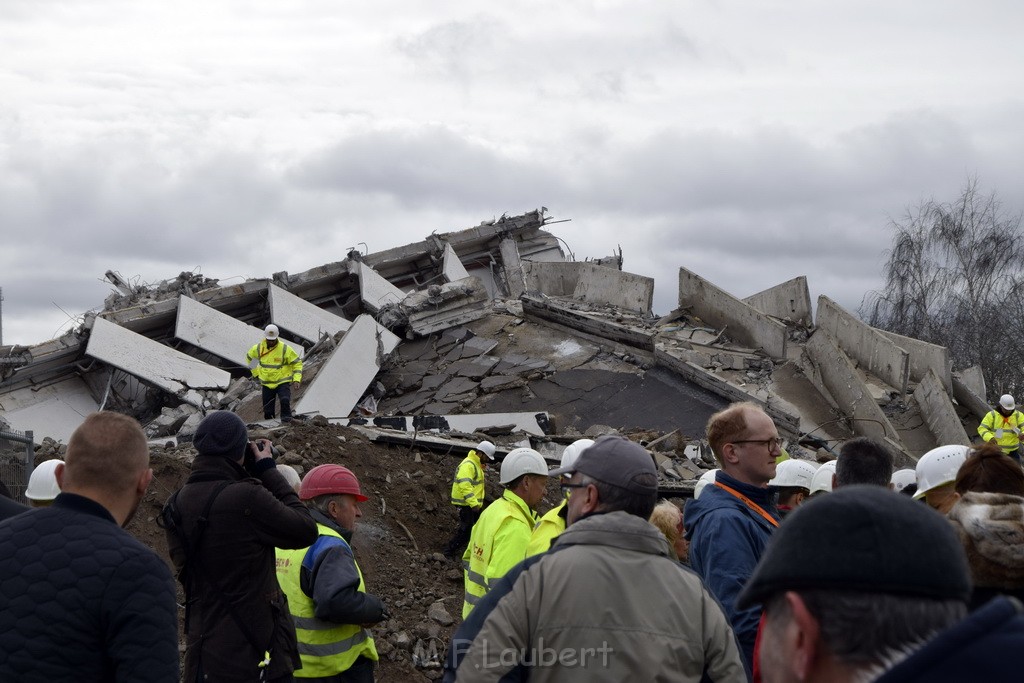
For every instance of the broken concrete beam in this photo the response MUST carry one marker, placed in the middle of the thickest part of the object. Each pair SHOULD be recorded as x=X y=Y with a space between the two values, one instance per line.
x=164 y=367
x=538 y=424
x=876 y=353
x=440 y=307
x=966 y=397
x=220 y=334
x=742 y=321
x=939 y=413
x=376 y=292
x=430 y=441
x=840 y=379
x=301 y=318
x=451 y=267
x=974 y=379
x=352 y=366
x=924 y=357
x=593 y=327
x=515 y=282
x=790 y=300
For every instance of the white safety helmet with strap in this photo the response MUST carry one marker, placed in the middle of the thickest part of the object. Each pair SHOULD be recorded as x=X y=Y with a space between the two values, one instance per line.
x=705 y=479
x=1007 y=402
x=42 y=485
x=572 y=453
x=822 y=479
x=794 y=472
x=901 y=479
x=487 y=448
x=522 y=461
x=939 y=466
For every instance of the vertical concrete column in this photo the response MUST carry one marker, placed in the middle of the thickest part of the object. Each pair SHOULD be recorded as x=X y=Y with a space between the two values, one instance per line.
x=514 y=278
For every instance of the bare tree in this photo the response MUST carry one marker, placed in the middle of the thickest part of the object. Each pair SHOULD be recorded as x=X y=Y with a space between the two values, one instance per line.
x=955 y=276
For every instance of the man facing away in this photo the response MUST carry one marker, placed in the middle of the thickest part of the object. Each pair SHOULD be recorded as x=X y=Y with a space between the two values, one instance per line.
x=607 y=602
x=863 y=461
x=277 y=367
x=468 y=494
x=732 y=522
x=222 y=528
x=325 y=588
x=82 y=600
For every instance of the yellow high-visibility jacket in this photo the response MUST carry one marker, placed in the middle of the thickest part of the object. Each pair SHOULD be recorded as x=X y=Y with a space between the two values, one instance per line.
x=550 y=526
x=497 y=544
x=274 y=366
x=468 y=487
x=1005 y=430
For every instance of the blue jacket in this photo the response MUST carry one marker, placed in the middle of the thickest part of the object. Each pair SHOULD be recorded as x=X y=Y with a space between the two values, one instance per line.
x=727 y=539
x=988 y=645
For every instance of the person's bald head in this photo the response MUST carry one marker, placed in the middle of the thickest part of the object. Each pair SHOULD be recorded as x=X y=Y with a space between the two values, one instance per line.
x=107 y=453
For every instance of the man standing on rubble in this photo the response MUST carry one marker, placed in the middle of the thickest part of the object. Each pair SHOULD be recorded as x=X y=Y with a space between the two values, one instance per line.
x=499 y=538
x=1002 y=426
x=468 y=495
x=732 y=522
x=277 y=366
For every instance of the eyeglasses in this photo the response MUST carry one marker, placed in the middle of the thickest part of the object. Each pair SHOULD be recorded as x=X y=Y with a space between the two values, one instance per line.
x=772 y=443
x=566 y=488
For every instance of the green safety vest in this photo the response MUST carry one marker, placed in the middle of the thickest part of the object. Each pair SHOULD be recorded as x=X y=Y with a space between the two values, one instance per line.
x=325 y=648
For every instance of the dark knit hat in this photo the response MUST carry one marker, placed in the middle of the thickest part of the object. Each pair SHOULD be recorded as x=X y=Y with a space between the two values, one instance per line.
x=617 y=461
x=865 y=539
x=221 y=433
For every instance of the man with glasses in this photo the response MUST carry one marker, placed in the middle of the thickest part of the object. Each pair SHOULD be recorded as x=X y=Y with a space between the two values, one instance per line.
x=730 y=525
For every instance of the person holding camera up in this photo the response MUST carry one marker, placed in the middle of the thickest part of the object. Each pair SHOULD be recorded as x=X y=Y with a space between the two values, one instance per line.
x=222 y=528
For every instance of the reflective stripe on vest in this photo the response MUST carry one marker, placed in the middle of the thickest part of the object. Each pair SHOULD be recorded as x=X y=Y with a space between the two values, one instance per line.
x=483 y=560
x=470 y=472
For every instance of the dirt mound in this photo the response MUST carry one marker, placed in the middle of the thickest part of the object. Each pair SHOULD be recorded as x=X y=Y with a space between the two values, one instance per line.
x=398 y=542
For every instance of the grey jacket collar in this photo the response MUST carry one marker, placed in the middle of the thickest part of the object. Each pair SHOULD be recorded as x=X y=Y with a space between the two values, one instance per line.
x=616 y=529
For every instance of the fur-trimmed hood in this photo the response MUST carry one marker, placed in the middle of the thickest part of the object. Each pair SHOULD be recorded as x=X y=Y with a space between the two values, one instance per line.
x=991 y=527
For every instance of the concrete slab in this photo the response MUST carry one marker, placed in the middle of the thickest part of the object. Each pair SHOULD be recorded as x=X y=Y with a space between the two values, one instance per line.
x=376 y=292
x=301 y=318
x=790 y=300
x=164 y=367
x=343 y=378
x=440 y=307
x=876 y=353
x=939 y=413
x=451 y=267
x=598 y=285
x=966 y=397
x=54 y=410
x=474 y=368
x=925 y=357
x=515 y=281
x=720 y=309
x=974 y=379
x=536 y=423
x=220 y=334
x=552 y=278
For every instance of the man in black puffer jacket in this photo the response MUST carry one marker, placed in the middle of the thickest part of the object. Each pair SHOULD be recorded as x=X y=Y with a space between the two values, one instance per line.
x=80 y=599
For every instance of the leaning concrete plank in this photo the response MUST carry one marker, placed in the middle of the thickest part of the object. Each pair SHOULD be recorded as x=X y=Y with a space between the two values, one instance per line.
x=343 y=379
x=598 y=285
x=966 y=397
x=939 y=413
x=515 y=282
x=216 y=332
x=925 y=357
x=721 y=309
x=301 y=318
x=789 y=300
x=847 y=389
x=974 y=379
x=876 y=353
x=153 y=362
x=538 y=424
x=376 y=292
x=451 y=266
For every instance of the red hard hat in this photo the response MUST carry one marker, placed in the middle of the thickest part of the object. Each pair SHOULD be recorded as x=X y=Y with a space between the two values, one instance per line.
x=326 y=479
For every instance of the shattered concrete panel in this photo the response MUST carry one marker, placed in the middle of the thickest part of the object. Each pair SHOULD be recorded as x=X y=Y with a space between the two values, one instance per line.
x=220 y=334
x=552 y=279
x=966 y=397
x=451 y=267
x=925 y=357
x=512 y=265
x=974 y=379
x=599 y=285
x=847 y=389
x=440 y=307
x=301 y=318
x=344 y=377
x=790 y=300
x=587 y=324
x=720 y=309
x=164 y=367
x=376 y=292
x=939 y=413
x=54 y=410
x=876 y=353
x=536 y=423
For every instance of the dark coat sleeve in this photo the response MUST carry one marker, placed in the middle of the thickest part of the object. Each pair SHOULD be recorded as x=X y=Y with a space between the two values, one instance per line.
x=333 y=583
x=278 y=517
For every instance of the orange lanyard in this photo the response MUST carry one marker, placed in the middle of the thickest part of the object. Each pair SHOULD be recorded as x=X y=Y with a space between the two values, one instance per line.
x=750 y=504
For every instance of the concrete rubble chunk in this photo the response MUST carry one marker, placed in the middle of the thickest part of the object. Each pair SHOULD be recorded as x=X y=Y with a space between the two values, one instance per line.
x=473 y=368
x=376 y=292
x=442 y=306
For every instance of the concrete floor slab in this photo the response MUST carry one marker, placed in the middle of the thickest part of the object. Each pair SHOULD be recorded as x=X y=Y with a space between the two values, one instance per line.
x=301 y=318
x=54 y=411
x=452 y=267
x=220 y=334
x=375 y=291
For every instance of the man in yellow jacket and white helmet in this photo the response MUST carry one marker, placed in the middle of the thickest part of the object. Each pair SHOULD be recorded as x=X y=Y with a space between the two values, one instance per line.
x=1002 y=426
x=468 y=494
x=277 y=366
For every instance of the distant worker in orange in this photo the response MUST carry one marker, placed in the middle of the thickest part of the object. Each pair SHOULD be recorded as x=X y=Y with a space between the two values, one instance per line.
x=277 y=366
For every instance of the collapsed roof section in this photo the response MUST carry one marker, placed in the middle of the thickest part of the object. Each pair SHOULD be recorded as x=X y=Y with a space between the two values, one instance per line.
x=492 y=320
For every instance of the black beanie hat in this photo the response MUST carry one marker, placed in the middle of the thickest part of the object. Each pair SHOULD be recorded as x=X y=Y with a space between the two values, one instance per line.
x=222 y=433
x=864 y=539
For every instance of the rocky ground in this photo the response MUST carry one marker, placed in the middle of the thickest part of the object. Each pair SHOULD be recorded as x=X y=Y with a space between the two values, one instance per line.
x=398 y=543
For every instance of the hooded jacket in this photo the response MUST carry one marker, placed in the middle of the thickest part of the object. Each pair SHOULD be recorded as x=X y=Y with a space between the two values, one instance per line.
x=991 y=527
x=248 y=519
x=727 y=540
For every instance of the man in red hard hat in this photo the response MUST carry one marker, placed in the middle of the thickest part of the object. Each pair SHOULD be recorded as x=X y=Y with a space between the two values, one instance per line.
x=326 y=593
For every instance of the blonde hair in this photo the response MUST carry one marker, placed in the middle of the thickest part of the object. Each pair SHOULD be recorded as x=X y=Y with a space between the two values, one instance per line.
x=667 y=517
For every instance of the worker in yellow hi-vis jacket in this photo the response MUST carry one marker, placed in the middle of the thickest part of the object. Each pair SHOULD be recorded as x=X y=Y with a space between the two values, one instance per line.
x=468 y=495
x=277 y=366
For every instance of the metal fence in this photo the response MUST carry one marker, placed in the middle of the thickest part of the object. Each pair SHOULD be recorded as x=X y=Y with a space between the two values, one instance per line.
x=17 y=457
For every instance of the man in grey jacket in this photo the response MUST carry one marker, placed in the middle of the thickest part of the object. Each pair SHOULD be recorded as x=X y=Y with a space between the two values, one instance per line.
x=607 y=602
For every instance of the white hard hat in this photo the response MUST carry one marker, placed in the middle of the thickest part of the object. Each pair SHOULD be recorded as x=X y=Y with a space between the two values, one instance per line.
x=822 y=479
x=487 y=448
x=572 y=452
x=521 y=461
x=271 y=332
x=705 y=479
x=42 y=485
x=901 y=479
x=1007 y=402
x=939 y=466
x=794 y=472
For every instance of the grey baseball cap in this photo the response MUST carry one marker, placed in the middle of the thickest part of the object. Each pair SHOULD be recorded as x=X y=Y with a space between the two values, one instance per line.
x=617 y=461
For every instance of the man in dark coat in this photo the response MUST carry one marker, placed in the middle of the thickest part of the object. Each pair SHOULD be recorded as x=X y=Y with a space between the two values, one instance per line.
x=222 y=528
x=80 y=599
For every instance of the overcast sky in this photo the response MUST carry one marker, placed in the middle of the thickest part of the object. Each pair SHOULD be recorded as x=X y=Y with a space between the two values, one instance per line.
x=747 y=141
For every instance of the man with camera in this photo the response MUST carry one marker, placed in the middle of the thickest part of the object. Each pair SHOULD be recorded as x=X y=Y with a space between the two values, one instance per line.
x=222 y=528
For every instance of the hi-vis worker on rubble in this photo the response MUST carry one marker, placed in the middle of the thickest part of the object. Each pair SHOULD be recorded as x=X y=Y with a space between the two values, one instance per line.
x=468 y=495
x=276 y=366
x=1002 y=426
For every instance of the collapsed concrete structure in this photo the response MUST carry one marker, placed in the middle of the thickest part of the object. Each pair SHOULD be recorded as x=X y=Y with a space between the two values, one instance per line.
x=489 y=330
